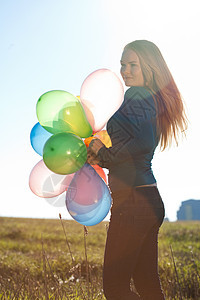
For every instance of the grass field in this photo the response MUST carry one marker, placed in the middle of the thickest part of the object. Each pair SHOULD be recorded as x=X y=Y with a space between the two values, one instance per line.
x=59 y=259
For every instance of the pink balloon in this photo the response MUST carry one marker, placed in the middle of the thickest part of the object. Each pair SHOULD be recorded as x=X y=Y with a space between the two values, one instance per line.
x=101 y=95
x=45 y=183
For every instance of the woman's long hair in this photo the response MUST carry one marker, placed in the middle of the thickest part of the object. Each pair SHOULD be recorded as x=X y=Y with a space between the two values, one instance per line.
x=171 y=119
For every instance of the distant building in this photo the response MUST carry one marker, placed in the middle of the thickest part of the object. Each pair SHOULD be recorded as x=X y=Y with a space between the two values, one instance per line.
x=189 y=210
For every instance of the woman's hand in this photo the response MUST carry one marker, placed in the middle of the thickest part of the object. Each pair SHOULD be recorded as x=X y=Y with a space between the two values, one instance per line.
x=95 y=145
x=92 y=159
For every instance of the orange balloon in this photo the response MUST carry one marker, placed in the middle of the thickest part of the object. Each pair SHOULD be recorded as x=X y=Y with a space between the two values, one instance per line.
x=100 y=172
x=88 y=140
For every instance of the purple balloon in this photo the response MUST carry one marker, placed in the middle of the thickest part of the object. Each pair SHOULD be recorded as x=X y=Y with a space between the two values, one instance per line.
x=88 y=198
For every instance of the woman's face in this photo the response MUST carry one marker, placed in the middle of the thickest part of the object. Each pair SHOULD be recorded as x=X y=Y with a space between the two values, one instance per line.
x=130 y=69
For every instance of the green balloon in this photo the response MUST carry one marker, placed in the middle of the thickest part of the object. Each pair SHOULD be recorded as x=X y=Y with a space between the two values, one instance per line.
x=60 y=111
x=64 y=153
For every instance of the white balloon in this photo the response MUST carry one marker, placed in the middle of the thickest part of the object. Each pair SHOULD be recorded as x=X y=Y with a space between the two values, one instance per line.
x=101 y=95
x=45 y=183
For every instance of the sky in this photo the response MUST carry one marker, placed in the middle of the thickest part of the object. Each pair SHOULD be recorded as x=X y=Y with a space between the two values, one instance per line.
x=48 y=45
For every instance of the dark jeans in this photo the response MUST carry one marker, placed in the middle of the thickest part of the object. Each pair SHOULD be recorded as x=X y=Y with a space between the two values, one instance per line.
x=131 y=247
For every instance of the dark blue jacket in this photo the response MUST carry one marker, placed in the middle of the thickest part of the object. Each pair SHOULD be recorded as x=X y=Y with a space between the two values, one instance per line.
x=134 y=137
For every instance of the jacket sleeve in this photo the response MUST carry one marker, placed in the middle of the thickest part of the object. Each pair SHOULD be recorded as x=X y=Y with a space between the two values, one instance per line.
x=132 y=128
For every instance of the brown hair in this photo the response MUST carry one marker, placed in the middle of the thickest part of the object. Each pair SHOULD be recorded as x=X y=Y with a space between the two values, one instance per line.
x=172 y=118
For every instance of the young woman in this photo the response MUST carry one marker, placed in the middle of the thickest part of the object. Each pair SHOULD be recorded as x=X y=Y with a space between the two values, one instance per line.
x=152 y=112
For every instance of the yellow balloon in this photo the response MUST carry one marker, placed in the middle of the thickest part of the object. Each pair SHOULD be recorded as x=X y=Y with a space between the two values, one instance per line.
x=104 y=137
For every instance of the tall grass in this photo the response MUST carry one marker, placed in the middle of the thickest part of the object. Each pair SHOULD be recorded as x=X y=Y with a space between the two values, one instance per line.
x=60 y=259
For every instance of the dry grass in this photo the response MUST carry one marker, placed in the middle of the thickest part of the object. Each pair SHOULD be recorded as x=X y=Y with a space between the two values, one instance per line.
x=59 y=259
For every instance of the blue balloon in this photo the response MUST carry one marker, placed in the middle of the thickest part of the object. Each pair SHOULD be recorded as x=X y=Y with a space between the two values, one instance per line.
x=88 y=198
x=98 y=214
x=38 y=138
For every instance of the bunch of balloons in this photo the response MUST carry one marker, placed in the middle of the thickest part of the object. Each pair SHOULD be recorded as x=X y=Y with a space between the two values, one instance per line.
x=66 y=126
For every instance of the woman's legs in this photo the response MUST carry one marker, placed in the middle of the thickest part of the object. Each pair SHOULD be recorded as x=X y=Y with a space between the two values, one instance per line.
x=131 y=249
x=117 y=270
x=145 y=272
